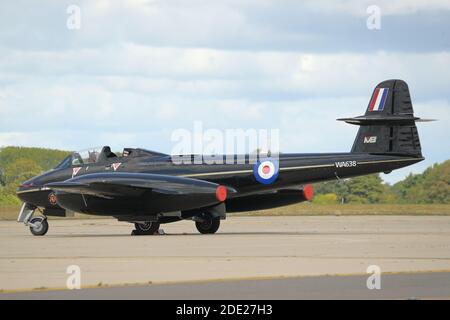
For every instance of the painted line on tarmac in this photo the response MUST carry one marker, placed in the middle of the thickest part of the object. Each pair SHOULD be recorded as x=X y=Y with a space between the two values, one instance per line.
x=216 y=280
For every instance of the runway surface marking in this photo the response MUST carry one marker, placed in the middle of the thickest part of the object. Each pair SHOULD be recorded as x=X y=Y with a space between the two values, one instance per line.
x=435 y=285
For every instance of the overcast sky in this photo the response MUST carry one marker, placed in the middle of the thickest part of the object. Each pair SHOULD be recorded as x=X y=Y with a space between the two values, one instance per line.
x=138 y=69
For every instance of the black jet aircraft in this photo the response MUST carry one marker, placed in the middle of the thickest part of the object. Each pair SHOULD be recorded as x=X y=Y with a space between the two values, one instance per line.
x=148 y=189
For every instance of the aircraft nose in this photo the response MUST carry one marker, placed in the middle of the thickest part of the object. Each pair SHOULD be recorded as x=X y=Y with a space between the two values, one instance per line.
x=29 y=191
x=27 y=185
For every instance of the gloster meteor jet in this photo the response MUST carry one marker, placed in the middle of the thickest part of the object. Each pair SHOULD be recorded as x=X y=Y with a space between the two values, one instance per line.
x=148 y=188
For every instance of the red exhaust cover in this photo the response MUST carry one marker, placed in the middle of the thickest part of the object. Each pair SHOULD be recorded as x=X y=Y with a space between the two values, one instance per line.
x=221 y=193
x=308 y=192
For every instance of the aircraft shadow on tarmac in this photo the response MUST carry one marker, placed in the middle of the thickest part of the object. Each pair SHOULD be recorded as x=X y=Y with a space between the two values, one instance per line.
x=246 y=233
x=256 y=233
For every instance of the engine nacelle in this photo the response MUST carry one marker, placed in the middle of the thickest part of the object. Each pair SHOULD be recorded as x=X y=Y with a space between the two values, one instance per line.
x=265 y=201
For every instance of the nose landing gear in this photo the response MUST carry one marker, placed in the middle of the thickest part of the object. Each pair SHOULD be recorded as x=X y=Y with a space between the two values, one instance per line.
x=38 y=224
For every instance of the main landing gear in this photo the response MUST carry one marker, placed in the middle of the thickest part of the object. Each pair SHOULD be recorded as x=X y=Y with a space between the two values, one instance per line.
x=145 y=228
x=207 y=224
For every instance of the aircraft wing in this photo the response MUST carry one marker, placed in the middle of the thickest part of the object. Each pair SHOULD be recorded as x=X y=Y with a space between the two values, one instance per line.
x=119 y=193
x=111 y=185
x=98 y=189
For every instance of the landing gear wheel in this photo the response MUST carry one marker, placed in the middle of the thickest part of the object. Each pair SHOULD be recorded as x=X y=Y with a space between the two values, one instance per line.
x=38 y=225
x=208 y=224
x=148 y=227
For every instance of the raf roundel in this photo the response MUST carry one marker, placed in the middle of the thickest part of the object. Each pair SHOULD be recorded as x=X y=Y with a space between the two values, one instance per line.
x=266 y=171
x=52 y=198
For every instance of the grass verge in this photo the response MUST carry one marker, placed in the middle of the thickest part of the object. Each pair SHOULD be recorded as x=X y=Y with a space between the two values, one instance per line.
x=308 y=209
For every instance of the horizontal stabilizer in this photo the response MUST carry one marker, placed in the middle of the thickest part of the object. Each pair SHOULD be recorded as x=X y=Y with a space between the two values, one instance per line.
x=383 y=120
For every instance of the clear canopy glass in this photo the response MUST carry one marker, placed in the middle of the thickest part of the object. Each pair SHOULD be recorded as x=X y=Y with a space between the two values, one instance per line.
x=86 y=156
x=101 y=154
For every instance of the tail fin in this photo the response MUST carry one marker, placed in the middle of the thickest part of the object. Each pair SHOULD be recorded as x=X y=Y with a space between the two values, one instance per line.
x=388 y=125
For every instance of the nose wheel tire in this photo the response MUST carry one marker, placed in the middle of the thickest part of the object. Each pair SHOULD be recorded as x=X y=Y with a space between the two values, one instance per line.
x=208 y=224
x=38 y=225
x=146 y=228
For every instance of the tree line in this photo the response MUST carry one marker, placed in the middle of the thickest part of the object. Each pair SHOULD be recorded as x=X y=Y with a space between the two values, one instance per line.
x=431 y=186
x=18 y=164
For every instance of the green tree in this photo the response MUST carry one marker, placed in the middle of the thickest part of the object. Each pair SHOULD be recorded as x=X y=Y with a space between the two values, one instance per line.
x=45 y=158
x=339 y=188
x=367 y=189
x=18 y=164
x=2 y=178
x=364 y=189
x=19 y=171
x=328 y=198
x=431 y=186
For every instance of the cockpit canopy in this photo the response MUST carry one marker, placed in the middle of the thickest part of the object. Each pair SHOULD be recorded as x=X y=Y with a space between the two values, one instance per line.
x=102 y=154
x=92 y=155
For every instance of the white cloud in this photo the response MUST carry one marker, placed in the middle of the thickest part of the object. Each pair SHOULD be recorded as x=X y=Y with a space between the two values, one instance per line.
x=388 y=7
x=135 y=67
x=317 y=25
x=139 y=69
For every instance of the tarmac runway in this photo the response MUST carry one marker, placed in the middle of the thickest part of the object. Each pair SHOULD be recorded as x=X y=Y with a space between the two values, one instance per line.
x=262 y=250
x=392 y=286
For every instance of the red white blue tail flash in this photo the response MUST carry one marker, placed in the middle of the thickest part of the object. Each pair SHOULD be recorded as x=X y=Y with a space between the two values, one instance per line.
x=378 y=99
x=266 y=171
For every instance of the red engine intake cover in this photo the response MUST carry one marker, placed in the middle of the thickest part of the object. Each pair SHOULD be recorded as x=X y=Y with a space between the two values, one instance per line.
x=308 y=192
x=221 y=193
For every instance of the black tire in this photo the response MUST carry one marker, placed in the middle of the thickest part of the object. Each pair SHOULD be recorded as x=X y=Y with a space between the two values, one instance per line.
x=208 y=225
x=42 y=227
x=146 y=228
